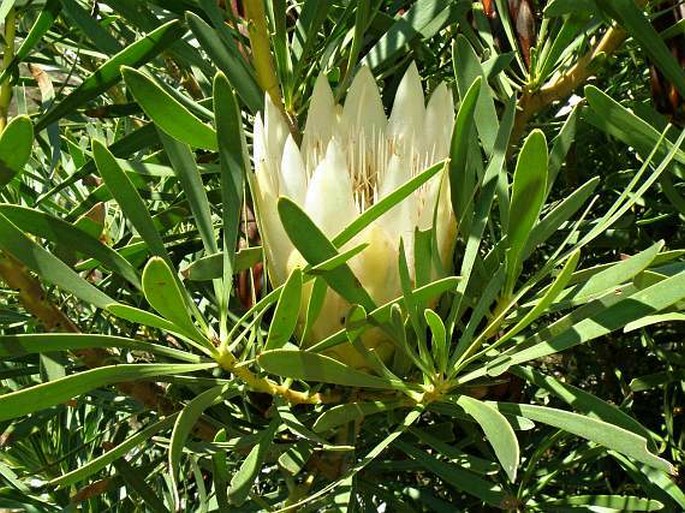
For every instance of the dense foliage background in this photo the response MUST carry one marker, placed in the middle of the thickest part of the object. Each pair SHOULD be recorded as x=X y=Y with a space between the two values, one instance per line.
x=146 y=364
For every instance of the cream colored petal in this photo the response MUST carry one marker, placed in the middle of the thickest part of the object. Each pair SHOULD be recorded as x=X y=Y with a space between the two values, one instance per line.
x=329 y=201
x=376 y=266
x=276 y=243
x=363 y=112
x=408 y=110
x=293 y=182
x=259 y=141
x=321 y=119
x=428 y=202
x=276 y=129
x=439 y=123
x=399 y=222
x=437 y=196
x=446 y=224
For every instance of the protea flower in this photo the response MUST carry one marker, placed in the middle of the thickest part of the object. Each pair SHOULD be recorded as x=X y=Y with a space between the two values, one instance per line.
x=350 y=157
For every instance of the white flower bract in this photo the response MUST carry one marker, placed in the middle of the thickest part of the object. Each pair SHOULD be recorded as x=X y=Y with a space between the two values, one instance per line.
x=351 y=157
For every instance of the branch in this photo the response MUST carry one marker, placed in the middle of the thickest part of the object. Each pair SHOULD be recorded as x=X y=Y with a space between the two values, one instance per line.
x=533 y=101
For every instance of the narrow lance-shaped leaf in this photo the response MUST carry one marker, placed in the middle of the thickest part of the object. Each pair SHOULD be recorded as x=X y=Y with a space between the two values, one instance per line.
x=467 y=68
x=528 y=194
x=315 y=367
x=603 y=433
x=184 y=165
x=550 y=295
x=128 y=198
x=286 y=314
x=38 y=397
x=16 y=141
x=460 y=181
x=498 y=432
x=18 y=345
x=225 y=55
x=617 y=121
x=164 y=293
x=59 y=231
x=119 y=451
x=635 y=21
x=167 y=113
x=182 y=428
x=251 y=466
x=50 y=268
x=647 y=301
x=109 y=73
x=234 y=163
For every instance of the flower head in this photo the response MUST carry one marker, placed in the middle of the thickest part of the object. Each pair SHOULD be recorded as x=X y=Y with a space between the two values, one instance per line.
x=351 y=157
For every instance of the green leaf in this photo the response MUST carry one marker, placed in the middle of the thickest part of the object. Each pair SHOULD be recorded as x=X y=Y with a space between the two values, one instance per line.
x=657 y=379
x=56 y=230
x=612 y=117
x=124 y=192
x=528 y=194
x=16 y=141
x=108 y=74
x=135 y=480
x=549 y=224
x=498 y=432
x=184 y=424
x=48 y=266
x=5 y=6
x=597 y=284
x=220 y=472
x=654 y=319
x=184 y=165
x=561 y=145
x=18 y=345
x=605 y=434
x=582 y=401
x=637 y=24
x=225 y=54
x=296 y=427
x=348 y=412
x=654 y=482
x=286 y=314
x=547 y=299
x=234 y=164
x=484 y=202
x=212 y=266
x=162 y=291
x=422 y=296
x=467 y=69
x=439 y=342
x=296 y=457
x=460 y=478
x=307 y=366
x=38 y=397
x=421 y=21
x=94 y=465
x=369 y=457
x=136 y=315
x=103 y=40
x=461 y=176
x=167 y=113
x=316 y=248
x=647 y=301
x=242 y=480
x=604 y=503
